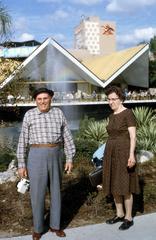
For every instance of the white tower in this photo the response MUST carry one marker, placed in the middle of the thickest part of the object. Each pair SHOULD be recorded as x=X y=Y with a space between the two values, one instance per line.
x=98 y=37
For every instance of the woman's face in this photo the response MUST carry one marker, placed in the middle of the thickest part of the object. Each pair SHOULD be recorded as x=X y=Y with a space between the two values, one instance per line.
x=114 y=101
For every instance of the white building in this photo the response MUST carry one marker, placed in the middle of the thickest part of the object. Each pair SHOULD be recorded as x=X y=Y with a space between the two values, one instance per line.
x=96 y=36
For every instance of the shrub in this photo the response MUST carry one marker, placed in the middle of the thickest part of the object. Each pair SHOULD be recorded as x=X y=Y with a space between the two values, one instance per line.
x=5 y=159
x=96 y=131
x=144 y=115
x=146 y=128
x=83 y=126
x=146 y=137
x=85 y=148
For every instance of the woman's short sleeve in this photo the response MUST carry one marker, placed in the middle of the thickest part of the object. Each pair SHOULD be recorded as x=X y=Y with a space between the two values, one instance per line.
x=130 y=118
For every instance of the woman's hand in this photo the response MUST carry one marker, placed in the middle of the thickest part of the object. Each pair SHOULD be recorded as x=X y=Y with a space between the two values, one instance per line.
x=131 y=162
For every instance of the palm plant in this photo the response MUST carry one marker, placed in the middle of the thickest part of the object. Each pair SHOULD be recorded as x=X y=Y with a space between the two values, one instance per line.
x=96 y=131
x=5 y=22
x=146 y=128
x=144 y=115
x=83 y=126
x=146 y=137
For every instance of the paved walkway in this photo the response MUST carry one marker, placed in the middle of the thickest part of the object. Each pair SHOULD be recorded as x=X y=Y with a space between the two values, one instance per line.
x=144 y=229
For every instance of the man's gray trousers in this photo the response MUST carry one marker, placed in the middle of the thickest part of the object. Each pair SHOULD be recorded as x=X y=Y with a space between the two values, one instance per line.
x=44 y=164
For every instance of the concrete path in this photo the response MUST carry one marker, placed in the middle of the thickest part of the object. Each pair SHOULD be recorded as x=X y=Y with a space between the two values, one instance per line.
x=144 y=229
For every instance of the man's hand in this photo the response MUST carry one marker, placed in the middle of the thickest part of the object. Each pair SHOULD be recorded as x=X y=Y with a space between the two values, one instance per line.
x=22 y=172
x=68 y=167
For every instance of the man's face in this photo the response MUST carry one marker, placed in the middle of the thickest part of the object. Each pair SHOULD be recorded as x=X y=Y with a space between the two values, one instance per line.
x=43 y=101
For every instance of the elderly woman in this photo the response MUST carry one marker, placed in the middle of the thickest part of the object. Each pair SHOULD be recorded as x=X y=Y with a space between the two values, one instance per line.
x=119 y=177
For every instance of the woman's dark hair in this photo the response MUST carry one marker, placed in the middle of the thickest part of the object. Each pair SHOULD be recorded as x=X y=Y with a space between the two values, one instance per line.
x=117 y=90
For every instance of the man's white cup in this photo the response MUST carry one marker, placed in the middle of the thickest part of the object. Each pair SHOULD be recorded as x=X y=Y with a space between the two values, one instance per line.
x=23 y=185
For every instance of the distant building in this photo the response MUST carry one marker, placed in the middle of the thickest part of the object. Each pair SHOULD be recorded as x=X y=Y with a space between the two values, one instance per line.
x=30 y=43
x=96 y=36
x=18 y=49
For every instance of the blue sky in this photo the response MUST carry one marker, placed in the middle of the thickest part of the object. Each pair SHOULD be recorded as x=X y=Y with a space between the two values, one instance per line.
x=39 y=19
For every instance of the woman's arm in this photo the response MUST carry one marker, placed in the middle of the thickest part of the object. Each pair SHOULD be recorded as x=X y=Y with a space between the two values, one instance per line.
x=132 y=134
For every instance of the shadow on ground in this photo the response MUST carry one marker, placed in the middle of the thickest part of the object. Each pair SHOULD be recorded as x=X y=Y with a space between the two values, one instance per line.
x=74 y=195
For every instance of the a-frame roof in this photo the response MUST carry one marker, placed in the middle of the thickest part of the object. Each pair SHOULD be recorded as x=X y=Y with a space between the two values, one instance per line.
x=48 y=55
x=54 y=63
x=109 y=67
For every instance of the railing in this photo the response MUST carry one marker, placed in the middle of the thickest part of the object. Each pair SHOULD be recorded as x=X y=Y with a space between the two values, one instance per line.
x=70 y=99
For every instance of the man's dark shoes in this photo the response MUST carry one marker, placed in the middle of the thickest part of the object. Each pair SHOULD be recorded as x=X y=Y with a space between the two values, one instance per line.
x=126 y=224
x=36 y=236
x=115 y=220
x=59 y=233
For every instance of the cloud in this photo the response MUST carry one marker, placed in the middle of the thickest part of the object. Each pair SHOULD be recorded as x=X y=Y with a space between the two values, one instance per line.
x=20 y=23
x=26 y=37
x=139 y=35
x=63 y=40
x=128 y=6
x=145 y=33
x=83 y=2
x=86 y=2
x=59 y=15
x=49 y=1
x=36 y=22
x=59 y=37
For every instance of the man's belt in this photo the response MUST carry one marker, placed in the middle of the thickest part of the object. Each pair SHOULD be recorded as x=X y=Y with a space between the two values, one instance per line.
x=45 y=145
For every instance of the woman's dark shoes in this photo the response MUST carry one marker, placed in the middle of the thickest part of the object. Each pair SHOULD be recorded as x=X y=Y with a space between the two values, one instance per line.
x=115 y=220
x=126 y=224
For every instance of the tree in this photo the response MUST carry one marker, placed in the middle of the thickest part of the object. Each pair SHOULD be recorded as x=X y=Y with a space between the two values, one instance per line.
x=152 y=73
x=5 y=22
x=153 y=45
x=152 y=63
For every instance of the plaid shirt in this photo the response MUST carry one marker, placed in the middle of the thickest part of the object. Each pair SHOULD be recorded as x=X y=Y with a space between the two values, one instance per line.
x=40 y=128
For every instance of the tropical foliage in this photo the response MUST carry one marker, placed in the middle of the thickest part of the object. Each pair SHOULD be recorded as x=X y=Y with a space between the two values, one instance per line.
x=85 y=149
x=152 y=63
x=83 y=126
x=152 y=73
x=91 y=134
x=144 y=115
x=96 y=131
x=13 y=87
x=153 y=44
x=93 y=130
x=146 y=136
x=146 y=128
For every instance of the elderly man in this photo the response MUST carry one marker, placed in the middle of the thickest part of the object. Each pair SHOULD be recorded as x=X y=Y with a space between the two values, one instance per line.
x=44 y=130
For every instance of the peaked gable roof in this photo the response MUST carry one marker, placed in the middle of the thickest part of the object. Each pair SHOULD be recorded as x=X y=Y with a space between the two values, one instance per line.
x=99 y=70
x=107 y=68
x=40 y=55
